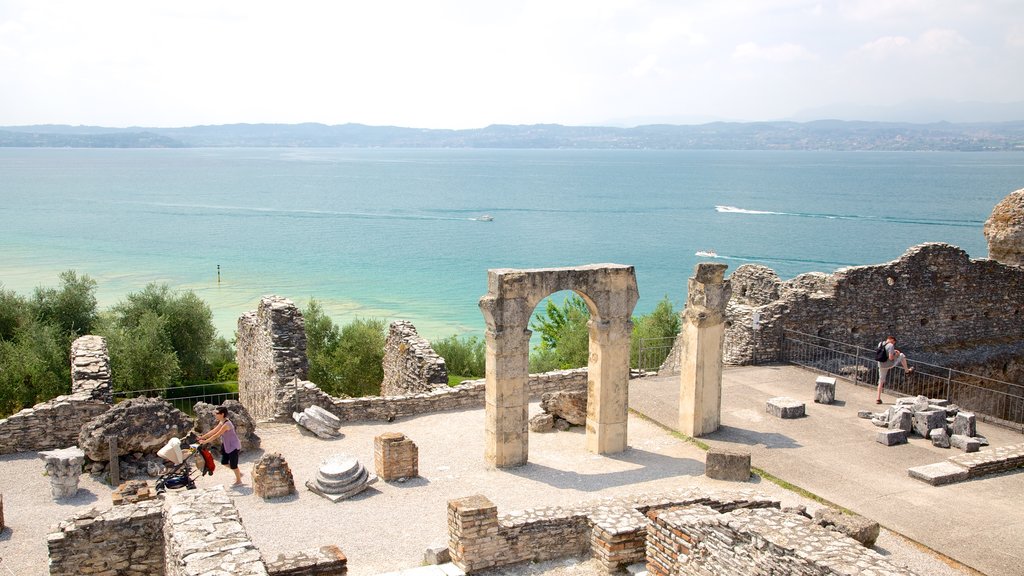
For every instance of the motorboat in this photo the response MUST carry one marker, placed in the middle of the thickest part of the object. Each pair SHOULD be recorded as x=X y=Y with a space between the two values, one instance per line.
x=706 y=253
x=484 y=218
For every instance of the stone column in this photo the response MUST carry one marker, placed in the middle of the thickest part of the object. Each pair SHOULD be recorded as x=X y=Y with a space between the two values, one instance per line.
x=703 y=335
x=473 y=533
x=608 y=385
x=64 y=467
x=506 y=398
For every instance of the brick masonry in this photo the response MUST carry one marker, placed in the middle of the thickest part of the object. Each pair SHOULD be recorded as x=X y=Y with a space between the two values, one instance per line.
x=410 y=364
x=122 y=541
x=395 y=456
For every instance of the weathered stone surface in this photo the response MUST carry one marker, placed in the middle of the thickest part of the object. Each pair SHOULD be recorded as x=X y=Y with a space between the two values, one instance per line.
x=395 y=457
x=939 y=473
x=438 y=554
x=891 y=437
x=271 y=356
x=965 y=443
x=133 y=492
x=140 y=424
x=939 y=437
x=825 y=390
x=245 y=427
x=272 y=477
x=859 y=528
x=64 y=467
x=410 y=364
x=1004 y=230
x=785 y=407
x=318 y=421
x=701 y=345
x=542 y=423
x=726 y=464
x=865 y=414
x=902 y=419
x=340 y=476
x=569 y=405
x=90 y=368
x=204 y=535
x=323 y=561
x=124 y=540
x=928 y=420
x=965 y=424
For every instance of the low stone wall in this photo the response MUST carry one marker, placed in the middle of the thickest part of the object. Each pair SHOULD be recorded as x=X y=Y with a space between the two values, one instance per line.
x=125 y=540
x=468 y=394
x=410 y=364
x=699 y=540
x=323 y=561
x=204 y=535
x=612 y=530
x=56 y=423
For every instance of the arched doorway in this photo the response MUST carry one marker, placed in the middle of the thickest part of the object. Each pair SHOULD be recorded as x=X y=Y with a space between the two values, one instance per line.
x=610 y=292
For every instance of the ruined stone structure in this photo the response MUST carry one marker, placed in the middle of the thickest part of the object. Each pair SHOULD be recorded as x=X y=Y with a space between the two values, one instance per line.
x=140 y=425
x=395 y=457
x=700 y=353
x=272 y=477
x=56 y=423
x=64 y=467
x=944 y=308
x=610 y=293
x=245 y=428
x=1004 y=230
x=410 y=364
x=271 y=354
x=614 y=530
x=125 y=540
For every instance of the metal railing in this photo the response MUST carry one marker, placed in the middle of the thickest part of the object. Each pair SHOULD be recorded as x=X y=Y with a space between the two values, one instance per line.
x=992 y=400
x=183 y=397
x=650 y=353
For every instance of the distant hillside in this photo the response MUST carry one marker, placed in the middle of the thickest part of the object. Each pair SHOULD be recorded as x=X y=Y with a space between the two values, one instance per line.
x=817 y=135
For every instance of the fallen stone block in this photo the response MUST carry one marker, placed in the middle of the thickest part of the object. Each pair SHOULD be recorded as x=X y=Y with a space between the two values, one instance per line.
x=318 y=421
x=825 y=390
x=902 y=419
x=542 y=423
x=865 y=414
x=965 y=424
x=939 y=437
x=928 y=420
x=859 y=528
x=785 y=407
x=438 y=554
x=726 y=464
x=965 y=443
x=939 y=473
x=891 y=437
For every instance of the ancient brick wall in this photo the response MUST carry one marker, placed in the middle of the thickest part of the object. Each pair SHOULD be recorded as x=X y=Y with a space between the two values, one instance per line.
x=468 y=394
x=56 y=422
x=410 y=364
x=271 y=355
x=125 y=540
x=699 y=540
x=943 y=307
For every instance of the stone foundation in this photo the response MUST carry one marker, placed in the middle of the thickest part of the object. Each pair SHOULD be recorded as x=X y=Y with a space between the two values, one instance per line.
x=204 y=535
x=410 y=364
x=395 y=456
x=122 y=541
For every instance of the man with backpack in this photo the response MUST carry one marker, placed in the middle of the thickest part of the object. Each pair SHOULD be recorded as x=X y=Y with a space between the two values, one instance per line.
x=888 y=357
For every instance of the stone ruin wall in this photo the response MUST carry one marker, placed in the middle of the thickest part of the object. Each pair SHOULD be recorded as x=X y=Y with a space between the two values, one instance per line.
x=271 y=354
x=57 y=422
x=943 y=307
x=410 y=364
x=195 y=533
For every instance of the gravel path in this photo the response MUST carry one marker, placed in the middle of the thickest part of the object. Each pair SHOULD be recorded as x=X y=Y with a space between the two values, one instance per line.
x=387 y=527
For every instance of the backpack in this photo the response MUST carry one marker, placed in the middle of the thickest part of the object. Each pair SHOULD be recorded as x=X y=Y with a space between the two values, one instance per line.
x=881 y=354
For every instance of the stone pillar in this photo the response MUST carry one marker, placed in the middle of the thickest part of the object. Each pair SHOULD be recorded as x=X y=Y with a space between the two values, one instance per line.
x=395 y=456
x=506 y=398
x=64 y=467
x=703 y=335
x=473 y=533
x=608 y=385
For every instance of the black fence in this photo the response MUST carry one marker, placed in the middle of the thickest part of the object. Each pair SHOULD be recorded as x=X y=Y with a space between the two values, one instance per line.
x=185 y=397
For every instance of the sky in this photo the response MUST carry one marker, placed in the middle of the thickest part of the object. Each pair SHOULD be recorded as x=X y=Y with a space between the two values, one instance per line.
x=469 y=64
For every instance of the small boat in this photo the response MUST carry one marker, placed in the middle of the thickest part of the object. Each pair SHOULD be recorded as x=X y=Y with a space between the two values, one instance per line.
x=484 y=218
x=706 y=253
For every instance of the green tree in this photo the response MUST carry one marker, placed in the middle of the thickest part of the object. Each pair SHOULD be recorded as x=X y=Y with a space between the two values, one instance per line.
x=565 y=337
x=657 y=330
x=464 y=356
x=141 y=355
x=34 y=366
x=344 y=361
x=14 y=312
x=321 y=343
x=187 y=323
x=71 y=307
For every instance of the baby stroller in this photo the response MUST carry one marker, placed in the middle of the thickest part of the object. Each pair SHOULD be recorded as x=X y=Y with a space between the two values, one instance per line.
x=180 y=474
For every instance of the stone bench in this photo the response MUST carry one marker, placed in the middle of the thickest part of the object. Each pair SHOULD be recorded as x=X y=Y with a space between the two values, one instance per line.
x=785 y=407
x=970 y=465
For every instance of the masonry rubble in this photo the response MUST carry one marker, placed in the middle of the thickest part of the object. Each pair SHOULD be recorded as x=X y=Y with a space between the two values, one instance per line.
x=943 y=423
x=272 y=477
x=562 y=409
x=271 y=355
x=410 y=364
x=318 y=421
x=64 y=468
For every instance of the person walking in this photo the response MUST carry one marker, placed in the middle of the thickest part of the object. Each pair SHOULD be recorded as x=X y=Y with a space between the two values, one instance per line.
x=887 y=350
x=231 y=447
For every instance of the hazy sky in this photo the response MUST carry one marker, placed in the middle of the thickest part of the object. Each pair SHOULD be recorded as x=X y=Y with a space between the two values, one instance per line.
x=462 y=64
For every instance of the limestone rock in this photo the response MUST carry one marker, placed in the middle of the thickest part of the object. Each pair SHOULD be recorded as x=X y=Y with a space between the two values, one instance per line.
x=140 y=425
x=965 y=424
x=571 y=406
x=341 y=476
x=272 y=477
x=965 y=443
x=825 y=390
x=785 y=407
x=939 y=437
x=245 y=427
x=1004 y=230
x=542 y=423
x=857 y=527
x=319 y=422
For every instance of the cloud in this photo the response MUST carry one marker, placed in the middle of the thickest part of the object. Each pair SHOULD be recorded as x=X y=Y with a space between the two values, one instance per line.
x=751 y=52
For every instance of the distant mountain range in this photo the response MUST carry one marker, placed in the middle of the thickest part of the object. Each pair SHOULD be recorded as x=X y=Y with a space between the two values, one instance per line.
x=782 y=135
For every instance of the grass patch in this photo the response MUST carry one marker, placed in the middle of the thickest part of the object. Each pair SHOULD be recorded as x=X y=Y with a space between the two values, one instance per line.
x=454 y=380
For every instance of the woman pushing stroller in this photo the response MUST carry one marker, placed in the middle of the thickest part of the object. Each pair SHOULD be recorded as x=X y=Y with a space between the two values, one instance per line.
x=231 y=447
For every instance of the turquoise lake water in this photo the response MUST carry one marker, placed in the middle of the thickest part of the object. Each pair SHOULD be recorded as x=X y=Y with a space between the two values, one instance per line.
x=392 y=234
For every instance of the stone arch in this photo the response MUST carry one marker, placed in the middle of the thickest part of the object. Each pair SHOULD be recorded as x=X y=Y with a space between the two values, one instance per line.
x=610 y=292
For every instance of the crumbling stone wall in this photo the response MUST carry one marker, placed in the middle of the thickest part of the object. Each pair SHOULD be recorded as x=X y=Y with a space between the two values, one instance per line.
x=271 y=355
x=410 y=364
x=55 y=423
x=198 y=524
x=699 y=540
x=1004 y=230
x=944 y=308
x=125 y=540
x=468 y=394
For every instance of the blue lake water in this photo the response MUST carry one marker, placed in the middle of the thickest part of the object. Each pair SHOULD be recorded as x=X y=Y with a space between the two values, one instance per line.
x=392 y=233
